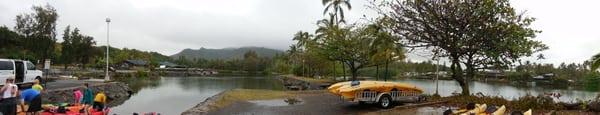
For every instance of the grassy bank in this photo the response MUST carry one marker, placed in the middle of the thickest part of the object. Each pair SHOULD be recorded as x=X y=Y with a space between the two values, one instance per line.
x=234 y=95
x=308 y=79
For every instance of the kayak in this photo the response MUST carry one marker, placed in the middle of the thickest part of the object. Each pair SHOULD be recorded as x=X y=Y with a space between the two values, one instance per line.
x=74 y=109
x=478 y=109
x=528 y=112
x=349 y=92
x=500 y=111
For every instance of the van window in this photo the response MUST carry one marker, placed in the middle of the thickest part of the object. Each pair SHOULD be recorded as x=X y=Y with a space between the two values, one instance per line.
x=30 y=66
x=6 y=65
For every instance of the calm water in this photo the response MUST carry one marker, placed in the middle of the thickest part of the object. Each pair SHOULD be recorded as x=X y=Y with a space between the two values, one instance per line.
x=173 y=95
x=447 y=87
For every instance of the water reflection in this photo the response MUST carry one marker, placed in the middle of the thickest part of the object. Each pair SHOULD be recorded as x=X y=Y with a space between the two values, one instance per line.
x=447 y=87
x=173 y=95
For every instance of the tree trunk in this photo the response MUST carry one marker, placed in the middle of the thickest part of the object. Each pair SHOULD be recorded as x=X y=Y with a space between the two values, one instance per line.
x=334 y=72
x=457 y=75
x=344 y=71
x=354 y=73
x=386 y=75
x=377 y=73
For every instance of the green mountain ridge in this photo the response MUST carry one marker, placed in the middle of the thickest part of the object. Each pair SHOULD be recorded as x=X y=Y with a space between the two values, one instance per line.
x=225 y=53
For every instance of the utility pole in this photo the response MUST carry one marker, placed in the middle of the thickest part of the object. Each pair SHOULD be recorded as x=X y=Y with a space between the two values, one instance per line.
x=107 y=78
x=437 y=75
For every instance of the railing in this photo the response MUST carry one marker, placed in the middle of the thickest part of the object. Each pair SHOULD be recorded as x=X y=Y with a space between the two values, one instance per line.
x=366 y=96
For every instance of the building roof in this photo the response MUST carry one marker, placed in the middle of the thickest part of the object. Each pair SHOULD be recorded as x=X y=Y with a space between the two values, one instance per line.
x=169 y=64
x=136 y=62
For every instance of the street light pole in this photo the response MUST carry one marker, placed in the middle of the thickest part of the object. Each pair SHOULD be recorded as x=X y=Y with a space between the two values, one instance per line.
x=107 y=78
x=437 y=74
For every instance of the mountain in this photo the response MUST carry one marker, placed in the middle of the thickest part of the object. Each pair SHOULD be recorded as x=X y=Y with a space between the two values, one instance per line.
x=225 y=53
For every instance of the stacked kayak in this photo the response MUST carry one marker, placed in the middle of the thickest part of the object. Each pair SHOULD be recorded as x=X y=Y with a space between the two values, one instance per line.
x=349 y=89
x=484 y=109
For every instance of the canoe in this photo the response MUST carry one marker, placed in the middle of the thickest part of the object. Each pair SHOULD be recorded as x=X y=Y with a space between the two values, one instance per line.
x=348 y=92
x=528 y=112
x=478 y=110
x=500 y=111
x=335 y=87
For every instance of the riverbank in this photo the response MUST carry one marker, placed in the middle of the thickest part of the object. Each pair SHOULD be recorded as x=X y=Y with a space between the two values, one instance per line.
x=61 y=91
x=292 y=82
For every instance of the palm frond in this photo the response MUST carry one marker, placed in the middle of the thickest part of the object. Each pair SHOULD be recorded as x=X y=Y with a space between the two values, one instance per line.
x=347 y=4
x=595 y=62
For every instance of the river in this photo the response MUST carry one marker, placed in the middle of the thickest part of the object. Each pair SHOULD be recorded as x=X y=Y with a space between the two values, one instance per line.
x=173 y=95
x=447 y=87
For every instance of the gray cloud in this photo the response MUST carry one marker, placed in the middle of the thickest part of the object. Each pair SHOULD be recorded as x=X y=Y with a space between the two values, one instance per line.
x=168 y=26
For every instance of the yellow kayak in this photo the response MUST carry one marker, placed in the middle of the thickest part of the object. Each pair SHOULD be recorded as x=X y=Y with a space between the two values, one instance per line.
x=500 y=111
x=348 y=92
x=478 y=110
x=528 y=112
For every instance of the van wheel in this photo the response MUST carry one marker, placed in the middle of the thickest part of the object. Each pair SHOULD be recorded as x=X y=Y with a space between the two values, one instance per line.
x=385 y=101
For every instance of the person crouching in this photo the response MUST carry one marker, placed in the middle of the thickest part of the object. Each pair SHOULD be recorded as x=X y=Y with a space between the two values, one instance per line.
x=33 y=98
x=99 y=101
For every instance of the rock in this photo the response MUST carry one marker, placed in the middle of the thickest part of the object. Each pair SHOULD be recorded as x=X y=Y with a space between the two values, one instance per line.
x=116 y=92
x=203 y=107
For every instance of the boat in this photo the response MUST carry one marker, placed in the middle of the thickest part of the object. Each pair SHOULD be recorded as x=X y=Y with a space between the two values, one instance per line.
x=528 y=112
x=349 y=92
x=380 y=92
x=500 y=111
x=70 y=109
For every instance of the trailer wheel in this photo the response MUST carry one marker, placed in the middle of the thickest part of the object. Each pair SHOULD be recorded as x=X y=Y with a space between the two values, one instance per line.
x=385 y=101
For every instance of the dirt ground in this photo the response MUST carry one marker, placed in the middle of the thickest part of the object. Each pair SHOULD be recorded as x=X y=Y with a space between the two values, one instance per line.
x=313 y=103
x=323 y=103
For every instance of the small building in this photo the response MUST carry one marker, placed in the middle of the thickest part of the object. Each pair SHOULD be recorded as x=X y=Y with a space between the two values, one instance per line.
x=133 y=64
x=493 y=73
x=166 y=64
x=547 y=76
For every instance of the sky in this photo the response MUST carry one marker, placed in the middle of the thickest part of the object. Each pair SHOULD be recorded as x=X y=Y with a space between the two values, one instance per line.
x=569 y=28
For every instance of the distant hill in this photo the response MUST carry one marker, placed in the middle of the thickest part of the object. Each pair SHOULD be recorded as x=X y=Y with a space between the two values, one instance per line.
x=225 y=53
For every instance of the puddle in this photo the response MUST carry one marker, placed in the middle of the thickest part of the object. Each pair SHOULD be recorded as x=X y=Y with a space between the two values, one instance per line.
x=277 y=102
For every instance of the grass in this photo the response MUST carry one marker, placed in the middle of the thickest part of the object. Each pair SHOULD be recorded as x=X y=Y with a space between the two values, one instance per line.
x=307 y=79
x=249 y=94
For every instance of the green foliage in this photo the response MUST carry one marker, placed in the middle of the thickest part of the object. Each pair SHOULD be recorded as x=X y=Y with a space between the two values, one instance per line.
x=592 y=81
x=495 y=34
x=225 y=53
x=595 y=62
x=141 y=73
x=77 y=48
x=38 y=31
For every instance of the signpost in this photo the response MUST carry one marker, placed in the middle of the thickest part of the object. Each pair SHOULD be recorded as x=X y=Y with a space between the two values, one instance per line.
x=47 y=63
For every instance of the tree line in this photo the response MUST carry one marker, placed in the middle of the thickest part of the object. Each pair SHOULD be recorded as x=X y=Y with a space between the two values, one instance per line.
x=34 y=38
x=473 y=34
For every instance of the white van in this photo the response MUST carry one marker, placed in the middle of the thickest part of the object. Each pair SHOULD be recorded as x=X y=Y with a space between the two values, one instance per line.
x=23 y=71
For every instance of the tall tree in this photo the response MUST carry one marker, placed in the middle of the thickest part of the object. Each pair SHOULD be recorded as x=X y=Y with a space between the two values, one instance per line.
x=471 y=33
x=38 y=29
x=335 y=7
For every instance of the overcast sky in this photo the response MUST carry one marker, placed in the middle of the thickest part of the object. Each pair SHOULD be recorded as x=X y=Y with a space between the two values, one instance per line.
x=168 y=26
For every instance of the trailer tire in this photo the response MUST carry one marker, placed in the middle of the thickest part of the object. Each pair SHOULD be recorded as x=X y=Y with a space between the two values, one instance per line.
x=385 y=101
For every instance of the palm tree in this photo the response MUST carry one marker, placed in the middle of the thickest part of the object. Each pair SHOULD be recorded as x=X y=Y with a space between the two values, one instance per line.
x=336 y=5
x=303 y=40
x=384 y=47
x=595 y=62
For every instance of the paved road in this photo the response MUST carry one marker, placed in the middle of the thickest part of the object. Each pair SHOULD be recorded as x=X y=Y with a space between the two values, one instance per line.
x=313 y=104
x=59 y=84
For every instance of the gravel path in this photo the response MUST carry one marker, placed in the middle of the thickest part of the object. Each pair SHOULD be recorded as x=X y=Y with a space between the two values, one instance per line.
x=320 y=103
